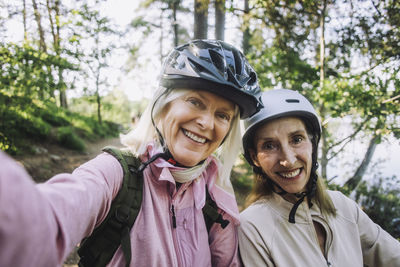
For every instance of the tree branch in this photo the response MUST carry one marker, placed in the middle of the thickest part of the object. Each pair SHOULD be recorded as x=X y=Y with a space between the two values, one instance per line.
x=353 y=182
x=360 y=127
x=340 y=150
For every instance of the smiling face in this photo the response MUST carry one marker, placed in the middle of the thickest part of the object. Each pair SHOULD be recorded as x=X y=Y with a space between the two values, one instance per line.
x=195 y=124
x=283 y=151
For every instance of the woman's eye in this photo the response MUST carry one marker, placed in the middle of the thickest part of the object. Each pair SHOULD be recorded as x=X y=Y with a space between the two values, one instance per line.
x=195 y=102
x=224 y=116
x=298 y=139
x=268 y=146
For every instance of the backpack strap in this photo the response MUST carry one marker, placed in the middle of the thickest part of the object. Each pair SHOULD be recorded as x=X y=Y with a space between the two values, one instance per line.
x=114 y=231
x=211 y=214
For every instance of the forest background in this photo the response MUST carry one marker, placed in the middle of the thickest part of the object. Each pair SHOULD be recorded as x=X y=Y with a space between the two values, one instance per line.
x=77 y=71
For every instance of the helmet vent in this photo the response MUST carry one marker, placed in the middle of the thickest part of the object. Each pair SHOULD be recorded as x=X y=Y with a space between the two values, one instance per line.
x=253 y=78
x=238 y=62
x=218 y=61
x=198 y=67
x=292 y=101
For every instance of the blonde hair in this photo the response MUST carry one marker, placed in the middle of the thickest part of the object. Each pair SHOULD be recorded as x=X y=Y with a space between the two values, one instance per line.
x=261 y=188
x=145 y=132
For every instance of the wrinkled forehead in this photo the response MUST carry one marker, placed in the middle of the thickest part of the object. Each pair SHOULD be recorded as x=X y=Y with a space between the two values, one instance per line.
x=219 y=103
x=211 y=98
x=275 y=128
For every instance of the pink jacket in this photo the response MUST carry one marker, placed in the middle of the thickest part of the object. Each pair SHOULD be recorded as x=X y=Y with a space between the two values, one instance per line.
x=41 y=224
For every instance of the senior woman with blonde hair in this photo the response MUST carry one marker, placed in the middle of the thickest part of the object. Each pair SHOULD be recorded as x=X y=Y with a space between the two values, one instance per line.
x=187 y=141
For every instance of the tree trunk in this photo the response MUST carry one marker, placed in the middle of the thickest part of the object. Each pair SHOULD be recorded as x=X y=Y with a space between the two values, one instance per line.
x=98 y=98
x=246 y=28
x=24 y=21
x=63 y=95
x=324 y=149
x=54 y=25
x=324 y=143
x=42 y=43
x=55 y=32
x=200 y=19
x=220 y=19
x=55 y=47
x=57 y=41
x=161 y=37
x=322 y=46
x=353 y=182
x=175 y=6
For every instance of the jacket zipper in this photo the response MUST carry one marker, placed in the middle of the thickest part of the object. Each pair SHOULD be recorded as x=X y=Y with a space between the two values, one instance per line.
x=173 y=216
x=174 y=226
x=327 y=247
x=178 y=253
x=328 y=240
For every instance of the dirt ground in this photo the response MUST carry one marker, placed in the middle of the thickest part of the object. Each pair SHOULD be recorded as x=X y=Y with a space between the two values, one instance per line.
x=51 y=159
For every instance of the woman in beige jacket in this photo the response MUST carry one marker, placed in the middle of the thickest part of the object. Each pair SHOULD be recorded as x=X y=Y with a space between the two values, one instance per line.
x=293 y=220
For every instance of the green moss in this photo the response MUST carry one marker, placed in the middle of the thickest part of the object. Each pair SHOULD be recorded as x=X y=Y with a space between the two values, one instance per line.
x=25 y=120
x=67 y=138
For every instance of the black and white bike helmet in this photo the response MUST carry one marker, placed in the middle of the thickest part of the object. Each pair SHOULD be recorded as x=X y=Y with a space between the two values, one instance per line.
x=217 y=67
x=283 y=103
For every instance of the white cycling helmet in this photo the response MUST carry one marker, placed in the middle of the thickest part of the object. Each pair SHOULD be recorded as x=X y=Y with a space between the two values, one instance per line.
x=277 y=104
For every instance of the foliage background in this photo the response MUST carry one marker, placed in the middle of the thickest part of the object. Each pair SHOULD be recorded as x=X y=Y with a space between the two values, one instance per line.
x=67 y=78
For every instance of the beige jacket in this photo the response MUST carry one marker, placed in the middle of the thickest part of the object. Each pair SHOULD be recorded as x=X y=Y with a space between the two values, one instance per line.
x=266 y=238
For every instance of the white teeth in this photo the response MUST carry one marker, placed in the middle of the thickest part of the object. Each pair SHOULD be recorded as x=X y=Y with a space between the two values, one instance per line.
x=290 y=174
x=194 y=137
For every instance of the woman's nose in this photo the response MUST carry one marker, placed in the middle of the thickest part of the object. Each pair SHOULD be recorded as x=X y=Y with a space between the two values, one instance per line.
x=288 y=157
x=206 y=120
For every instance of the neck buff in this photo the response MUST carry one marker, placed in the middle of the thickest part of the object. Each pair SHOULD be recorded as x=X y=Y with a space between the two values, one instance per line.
x=183 y=175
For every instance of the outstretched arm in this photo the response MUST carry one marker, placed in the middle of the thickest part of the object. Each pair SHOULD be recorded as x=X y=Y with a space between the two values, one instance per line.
x=40 y=224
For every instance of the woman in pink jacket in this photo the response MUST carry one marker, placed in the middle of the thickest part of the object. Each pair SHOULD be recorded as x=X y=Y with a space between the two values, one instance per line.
x=187 y=140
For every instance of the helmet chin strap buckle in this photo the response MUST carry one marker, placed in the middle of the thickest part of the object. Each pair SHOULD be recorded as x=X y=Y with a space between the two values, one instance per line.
x=300 y=195
x=172 y=161
x=165 y=155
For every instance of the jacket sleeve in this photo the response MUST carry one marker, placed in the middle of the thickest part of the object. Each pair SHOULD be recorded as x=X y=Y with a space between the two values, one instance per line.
x=41 y=223
x=379 y=248
x=224 y=243
x=252 y=247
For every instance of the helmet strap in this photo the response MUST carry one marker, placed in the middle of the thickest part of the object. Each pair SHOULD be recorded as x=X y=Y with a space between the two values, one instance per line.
x=301 y=195
x=296 y=205
x=153 y=158
x=273 y=186
x=310 y=193
x=167 y=156
x=160 y=137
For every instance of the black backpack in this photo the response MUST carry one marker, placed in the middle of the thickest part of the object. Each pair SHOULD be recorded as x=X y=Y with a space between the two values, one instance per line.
x=98 y=248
